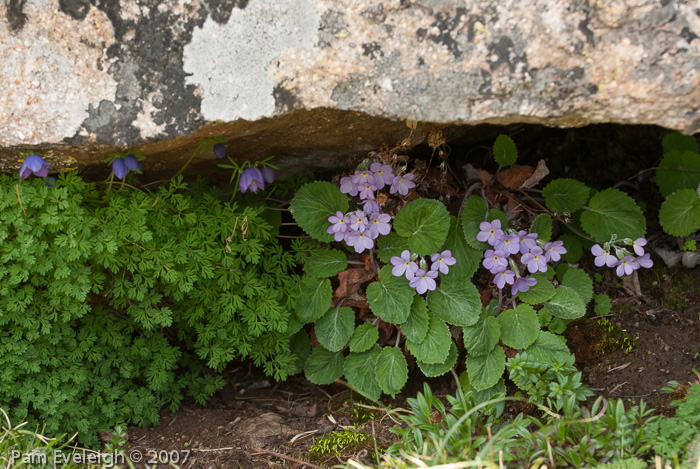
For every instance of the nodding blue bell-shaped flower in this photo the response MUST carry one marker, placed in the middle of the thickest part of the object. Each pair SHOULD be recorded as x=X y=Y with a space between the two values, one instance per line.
x=251 y=180
x=219 y=150
x=132 y=163
x=268 y=174
x=36 y=165
x=119 y=168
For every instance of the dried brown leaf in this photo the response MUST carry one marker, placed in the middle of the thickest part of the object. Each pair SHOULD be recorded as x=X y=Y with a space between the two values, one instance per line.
x=540 y=172
x=513 y=178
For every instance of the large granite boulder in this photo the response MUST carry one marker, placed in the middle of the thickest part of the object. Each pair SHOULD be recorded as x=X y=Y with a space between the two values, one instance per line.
x=84 y=76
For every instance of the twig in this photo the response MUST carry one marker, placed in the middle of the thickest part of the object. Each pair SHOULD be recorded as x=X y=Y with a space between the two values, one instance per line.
x=20 y=203
x=557 y=217
x=288 y=458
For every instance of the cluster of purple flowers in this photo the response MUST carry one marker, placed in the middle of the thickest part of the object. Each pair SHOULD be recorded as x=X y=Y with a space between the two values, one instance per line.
x=360 y=228
x=122 y=166
x=501 y=260
x=36 y=165
x=623 y=261
x=254 y=179
x=420 y=277
x=365 y=183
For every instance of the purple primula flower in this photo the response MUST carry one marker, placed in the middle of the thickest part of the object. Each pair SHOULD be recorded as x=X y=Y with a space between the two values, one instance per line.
x=132 y=163
x=339 y=225
x=360 y=241
x=535 y=260
x=442 y=261
x=219 y=150
x=554 y=250
x=510 y=244
x=251 y=180
x=504 y=277
x=383 y=175
x=522 y=284
x=119 y=168
x=36 y=165
x=371 y=207
x=358 y=221
x=402 y=184
x=527 y=241
x=490 y=232
x=638 y=244
x=424 y=281
x=268 y=174
x=626 y=266
x=494 y=260
x=363 y=178
x=379 y=224
x=348 y=187
x=644 y=261
x=367 y=191
x=603 y=256
x=403 y=265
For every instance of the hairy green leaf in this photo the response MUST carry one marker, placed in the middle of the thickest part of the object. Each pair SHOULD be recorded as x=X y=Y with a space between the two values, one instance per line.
x=390 y=298
x=326 y=263
x=313 y=204
x=317 y=295
x=392 y=370
x=360 y=371
x=680 y=213
x=425 y=222
x=681 y=170
x=391 y=245
x=565 y=195
x=455 y=302
x=483 y=336
x=519 y=327
x=416 y=326
x=566 y=304
x=485 y=371
x=324 y=366
x=542 y=225
x=504 y=151
x=364 y=338
x=548 y=348
x=334 y=329
x=433 y=349
x=439 y=369
x=580 y=282
x=540 y=292
x=612 y=212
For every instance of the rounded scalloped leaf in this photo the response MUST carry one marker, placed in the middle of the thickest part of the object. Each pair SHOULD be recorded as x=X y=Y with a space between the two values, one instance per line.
x=317 y=294
x=323 y=366
x=474 y=211
x=613 y=212
x=433 y=349
x=565 y=194
x=540 y=292
x=580 y=282
x=504 y=151
x=360 y=371
x=603 y=305
x=313 y=204
x=566 y=304
x=574 y=249
x=391 y=370
x=390 y=245
x=486 y=370
x=483 y=336
x=468 y=258
x=680 y=213
x=675 y=178
x=439 y=369
x=364 y=338
x=455 y=302
x=542 y=225
x=334 y=329
x=548 y=348
x=678 y=141
x=519 y=327
x=391 y=297
x=326 y=263
x=425 y=222
x=416 y=326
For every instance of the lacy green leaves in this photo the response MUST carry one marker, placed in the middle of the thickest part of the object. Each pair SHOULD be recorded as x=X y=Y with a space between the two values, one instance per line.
x=313 y=204
x=565 y=195
x=390 y=298
x=612 y=212
x=504 y=151
x=425 y=223
x=680 y=213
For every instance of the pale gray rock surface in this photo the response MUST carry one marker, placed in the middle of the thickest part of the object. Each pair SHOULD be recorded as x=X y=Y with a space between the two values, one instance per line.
x=128 y=73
